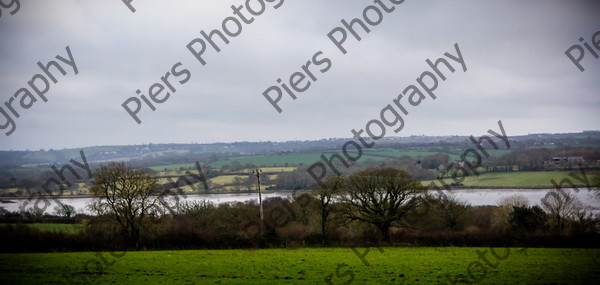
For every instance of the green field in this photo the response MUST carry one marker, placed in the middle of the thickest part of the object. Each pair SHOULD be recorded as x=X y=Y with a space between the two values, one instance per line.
x=173 y=167
x=270 y=160
x=410 y=265
x=517 y=179
x=295 y=159
x=274 y=169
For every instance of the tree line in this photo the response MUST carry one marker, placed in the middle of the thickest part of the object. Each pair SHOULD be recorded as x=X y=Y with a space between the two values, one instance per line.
x=372 y=206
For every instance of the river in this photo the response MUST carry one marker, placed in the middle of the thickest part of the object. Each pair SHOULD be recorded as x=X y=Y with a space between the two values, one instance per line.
x=475 y=197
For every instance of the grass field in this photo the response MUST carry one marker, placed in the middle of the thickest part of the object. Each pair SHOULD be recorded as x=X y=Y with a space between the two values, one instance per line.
x=226 y=179
x=270 y=160
x=411 y=265
x=310 y=158
x=518 y=179
x=173 y=167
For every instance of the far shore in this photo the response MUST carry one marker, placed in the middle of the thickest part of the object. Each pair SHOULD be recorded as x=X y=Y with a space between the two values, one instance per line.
x=580 y=187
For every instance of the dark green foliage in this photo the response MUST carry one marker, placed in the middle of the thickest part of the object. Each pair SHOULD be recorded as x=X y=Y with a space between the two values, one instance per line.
x=527 y=218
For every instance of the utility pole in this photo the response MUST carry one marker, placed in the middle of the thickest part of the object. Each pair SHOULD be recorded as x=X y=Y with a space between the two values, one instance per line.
x=262 y=219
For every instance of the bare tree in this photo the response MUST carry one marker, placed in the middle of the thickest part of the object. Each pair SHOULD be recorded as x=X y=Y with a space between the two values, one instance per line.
x=451 y=209
x=198 y=212
x=128 y=195
x=517 y=200
x=585 y=222
x=381 y=197
x=596 y=182
x=561 y=206
x=325 y=193
x=65 y=210
x=505 y=208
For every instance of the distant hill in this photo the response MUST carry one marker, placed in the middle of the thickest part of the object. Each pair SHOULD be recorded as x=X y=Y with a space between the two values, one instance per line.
x=180 y=153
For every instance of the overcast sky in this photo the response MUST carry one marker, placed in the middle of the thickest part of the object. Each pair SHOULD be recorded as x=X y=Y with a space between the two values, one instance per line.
x=514 y=52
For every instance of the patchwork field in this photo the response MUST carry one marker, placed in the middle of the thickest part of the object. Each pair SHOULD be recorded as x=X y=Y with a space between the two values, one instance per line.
x=295 y=159
x=411 y=265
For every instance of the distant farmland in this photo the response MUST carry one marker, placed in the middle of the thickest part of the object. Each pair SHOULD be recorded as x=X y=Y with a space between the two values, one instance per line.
x=297 y=159
x=514 y=179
